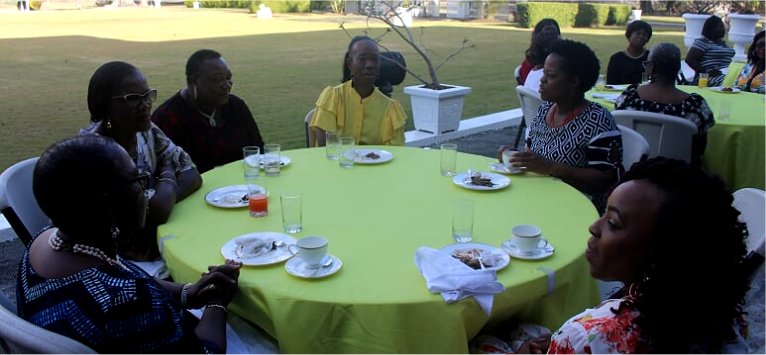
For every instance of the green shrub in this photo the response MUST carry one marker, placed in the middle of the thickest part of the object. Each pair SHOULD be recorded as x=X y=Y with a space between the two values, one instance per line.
x=530 y=13
x=231 y=4
x=189 y=3
x=284 y=6
x=618 y=15
x=590 y=15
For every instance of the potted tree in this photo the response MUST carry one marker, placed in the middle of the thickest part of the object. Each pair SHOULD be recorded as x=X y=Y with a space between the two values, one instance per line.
x=436 y=108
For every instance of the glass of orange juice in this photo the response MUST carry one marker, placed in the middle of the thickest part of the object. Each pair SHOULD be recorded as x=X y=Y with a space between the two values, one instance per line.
x=258 y=199
x=703 y=80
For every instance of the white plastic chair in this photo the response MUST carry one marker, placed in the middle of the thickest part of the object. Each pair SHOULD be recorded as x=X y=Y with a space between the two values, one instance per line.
x=634 y=147
x=517 y=75
x=310 y=135
x=530 y=101
x=17 y=202
x=668 y=136
x=686 y=74
x=22 y=337
x=751 y=203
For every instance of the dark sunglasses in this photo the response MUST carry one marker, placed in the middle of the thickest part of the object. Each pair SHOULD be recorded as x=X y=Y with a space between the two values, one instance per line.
x=133 y=100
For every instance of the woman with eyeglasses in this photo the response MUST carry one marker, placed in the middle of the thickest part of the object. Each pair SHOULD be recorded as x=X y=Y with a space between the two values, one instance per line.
x=206 y=119
x=72 y=280
x=751 y=76
x=120 y=101
x=661 y=95
x=709 y=53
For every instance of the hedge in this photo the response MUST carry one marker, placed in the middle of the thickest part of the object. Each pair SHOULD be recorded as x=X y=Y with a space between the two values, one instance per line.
x=284 y=6
x=236 y=4
x=530 y=13
x=618 y=15
x=590 y=15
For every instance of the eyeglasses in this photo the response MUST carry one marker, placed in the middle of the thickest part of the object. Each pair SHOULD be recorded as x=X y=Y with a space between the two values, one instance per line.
x=645 y=63
x=133 y=100
x=142 y=179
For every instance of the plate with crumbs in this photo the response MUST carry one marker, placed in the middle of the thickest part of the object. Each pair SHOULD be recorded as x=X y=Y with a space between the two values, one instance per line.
x=233 y=196
x=481 y=181
x=472 y=254
x=372 y=156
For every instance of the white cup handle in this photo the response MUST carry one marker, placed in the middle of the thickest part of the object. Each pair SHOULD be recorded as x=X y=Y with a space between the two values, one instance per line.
x=544 y=245
x=290 y=249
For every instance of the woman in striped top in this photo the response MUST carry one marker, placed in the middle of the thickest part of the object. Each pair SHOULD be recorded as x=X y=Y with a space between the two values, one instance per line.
x=709 y=53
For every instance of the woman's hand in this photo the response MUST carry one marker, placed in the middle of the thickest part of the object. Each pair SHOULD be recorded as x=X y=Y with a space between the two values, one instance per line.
x=500 y=151
x=218 y=284
x=532 y=162
x=537 y=345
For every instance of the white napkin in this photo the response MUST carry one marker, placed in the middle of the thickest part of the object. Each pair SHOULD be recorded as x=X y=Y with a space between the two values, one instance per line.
x=456 y=280
x=607 y=97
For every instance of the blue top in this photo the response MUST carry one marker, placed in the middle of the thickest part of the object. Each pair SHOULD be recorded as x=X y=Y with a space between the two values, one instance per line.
x=109 y=309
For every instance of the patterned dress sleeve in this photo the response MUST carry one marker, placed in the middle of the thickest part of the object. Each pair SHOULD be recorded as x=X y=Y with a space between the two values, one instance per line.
x=326 y=114
x=599 y=331
x=626 y=98
x=706 y=120
x=604 y=150
x=168 y=153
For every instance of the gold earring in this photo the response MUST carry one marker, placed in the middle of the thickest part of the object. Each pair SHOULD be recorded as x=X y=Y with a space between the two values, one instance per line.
x=108 y=124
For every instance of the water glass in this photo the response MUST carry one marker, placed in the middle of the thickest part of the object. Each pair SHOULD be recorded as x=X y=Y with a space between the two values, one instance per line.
x=271 y=159
x=251 y=156
x=448 y=159
x=724 y=110
x=462 y=220
x=347 y=152
x=601 y=82
x=258 y=199
x=292 y=212
x=332 y=143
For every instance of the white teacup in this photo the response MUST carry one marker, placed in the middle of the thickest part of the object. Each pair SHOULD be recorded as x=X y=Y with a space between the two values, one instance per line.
x=507 y=154
x=528 y=238
x=312 y=250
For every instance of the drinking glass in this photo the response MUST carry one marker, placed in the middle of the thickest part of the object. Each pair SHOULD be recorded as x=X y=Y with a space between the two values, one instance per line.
x=448 y=159
x=258 y=199
x=251 y=156
x=347 y=152
x=601 y=82
x=292 y=212
x=702 y=83
x=271 y=159
x=332 y=143
x=462 y=220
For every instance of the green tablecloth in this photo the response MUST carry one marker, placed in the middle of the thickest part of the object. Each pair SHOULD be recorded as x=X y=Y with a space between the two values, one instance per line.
x=375 y=218
x=735 y=146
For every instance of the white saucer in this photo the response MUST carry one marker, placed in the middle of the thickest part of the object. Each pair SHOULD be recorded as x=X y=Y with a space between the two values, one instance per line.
x=277 y=255
x=541 y=253
x=363 y=156
x=500 y=168
x=296 y=267
x=499 y=181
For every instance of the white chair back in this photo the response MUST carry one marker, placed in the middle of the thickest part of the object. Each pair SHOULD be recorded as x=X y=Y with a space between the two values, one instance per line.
x=22 y=337
x=530 y=101
x=685 y=74
x=517 y=75
x=17 y=202
x=751 y=203
x=634 y=147
x=310 y=135
x=668 y=136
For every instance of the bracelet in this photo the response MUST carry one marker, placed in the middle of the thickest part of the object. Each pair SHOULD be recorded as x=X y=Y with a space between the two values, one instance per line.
x=216 y=305
x=185 y=294
x=172 y=181
x=172 y=175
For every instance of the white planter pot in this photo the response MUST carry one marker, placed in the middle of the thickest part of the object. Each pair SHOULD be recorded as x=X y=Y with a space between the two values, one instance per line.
x=432 y=8
x=694 y=23
x=437 y=111
x=458 y=9
x=741 y=33
x=635 y=15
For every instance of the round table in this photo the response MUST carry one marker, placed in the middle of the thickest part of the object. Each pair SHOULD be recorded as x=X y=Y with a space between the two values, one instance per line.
x=375 y=218
x=735 y=145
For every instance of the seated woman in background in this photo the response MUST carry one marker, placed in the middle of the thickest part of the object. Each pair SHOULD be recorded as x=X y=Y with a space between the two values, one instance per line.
x=120 y=101
x=571 y=138
x=709 y=53
x=669 y=234
x=356 y=107
x=72 y=281
x=545 y=33
x=206 y=119
x=751 y=77
x=660 y=95
x=625 y=67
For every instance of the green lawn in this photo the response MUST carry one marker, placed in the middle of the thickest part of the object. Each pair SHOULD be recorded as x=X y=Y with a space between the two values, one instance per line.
x=280 y=65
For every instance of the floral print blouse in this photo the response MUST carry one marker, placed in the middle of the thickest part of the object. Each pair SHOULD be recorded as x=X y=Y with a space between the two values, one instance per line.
x=748 y=75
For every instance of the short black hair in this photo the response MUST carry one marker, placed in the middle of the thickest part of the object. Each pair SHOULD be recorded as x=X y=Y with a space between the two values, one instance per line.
x=102 y=87
x=579 y=60
x=639 y=25
x=195 y=61
x=72 y=178
x=346 y=70
x=712 y=22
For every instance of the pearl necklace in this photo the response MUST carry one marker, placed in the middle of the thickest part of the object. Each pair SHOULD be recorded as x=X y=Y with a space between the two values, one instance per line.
x=58 y=244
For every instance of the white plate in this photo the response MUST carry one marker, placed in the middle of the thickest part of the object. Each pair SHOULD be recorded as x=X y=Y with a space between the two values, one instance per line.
x=283 y=160
x=500 y=181
x=500 y=168
x=541 y=253
x=277 y=255
x=229 y=196
x=298 y=268
x=360 y=156
x=502 y=256
x=612 y=87
x=721 y=90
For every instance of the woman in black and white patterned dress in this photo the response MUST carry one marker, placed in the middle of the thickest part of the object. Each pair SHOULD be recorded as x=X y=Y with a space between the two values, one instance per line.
x=572 y=138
